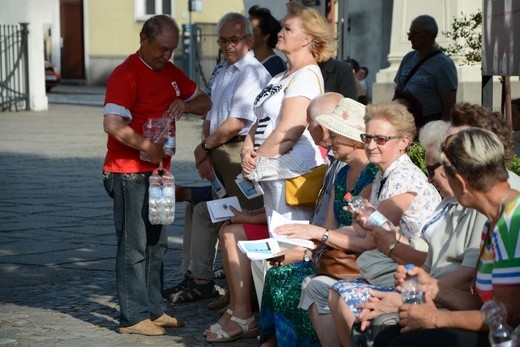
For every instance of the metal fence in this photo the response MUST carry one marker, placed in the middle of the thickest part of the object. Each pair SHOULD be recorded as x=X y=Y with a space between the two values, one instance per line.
x=207 y=50
x=14 y=67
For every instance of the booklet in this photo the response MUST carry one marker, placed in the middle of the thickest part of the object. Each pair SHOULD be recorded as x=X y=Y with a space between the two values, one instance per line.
x=217 y=186
x=249 y=188
x=277 y=220
x=259 y=249
x=219 y=209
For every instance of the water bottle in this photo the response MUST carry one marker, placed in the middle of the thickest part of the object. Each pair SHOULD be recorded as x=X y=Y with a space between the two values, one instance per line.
x=500 y=334
x=148 y=132
x=368 y=213
x=154 y=199
x=168 y=198
x=169 y=145
x=410 y=289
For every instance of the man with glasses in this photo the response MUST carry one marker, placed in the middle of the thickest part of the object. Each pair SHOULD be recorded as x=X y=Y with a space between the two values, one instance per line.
x=233 y=91
x=427 y=78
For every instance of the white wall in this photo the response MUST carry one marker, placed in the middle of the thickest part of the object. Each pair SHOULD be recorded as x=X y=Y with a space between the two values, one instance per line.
x=39 y=14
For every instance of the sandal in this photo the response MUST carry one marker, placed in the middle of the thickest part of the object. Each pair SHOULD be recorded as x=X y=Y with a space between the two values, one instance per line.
x=246 y=333
x=213 y=328
x=220 y=303
x=195 y=292
x=187 y=282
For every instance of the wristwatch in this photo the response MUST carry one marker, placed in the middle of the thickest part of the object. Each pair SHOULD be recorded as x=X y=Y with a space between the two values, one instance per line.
x=306 y=255
x=325 y=236
x=392 y=246
x=203 y=145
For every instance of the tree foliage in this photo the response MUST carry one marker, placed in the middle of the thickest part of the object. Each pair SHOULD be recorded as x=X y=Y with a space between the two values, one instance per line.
x=466 y=37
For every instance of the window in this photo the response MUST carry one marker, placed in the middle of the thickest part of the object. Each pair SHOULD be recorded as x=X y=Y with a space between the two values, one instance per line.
x=144 y=9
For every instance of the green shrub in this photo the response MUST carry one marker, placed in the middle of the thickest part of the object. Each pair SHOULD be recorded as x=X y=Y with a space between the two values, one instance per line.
x=416 y=153
x=515 y=165
x=465 y=37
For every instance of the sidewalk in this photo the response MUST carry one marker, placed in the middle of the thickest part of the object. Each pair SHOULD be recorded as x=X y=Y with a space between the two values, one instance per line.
x=57 y=239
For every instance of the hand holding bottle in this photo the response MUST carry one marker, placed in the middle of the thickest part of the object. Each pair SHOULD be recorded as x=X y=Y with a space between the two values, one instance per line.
x=367 y=213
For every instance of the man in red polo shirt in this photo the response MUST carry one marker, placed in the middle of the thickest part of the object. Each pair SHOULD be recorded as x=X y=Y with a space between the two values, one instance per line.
x=144 y=86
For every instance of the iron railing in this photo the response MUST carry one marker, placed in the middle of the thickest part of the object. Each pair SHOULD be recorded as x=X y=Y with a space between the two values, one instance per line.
x=14 y=67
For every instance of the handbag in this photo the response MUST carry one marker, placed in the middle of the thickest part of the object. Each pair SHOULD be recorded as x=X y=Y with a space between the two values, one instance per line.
x=304 y=190
x=335 y=263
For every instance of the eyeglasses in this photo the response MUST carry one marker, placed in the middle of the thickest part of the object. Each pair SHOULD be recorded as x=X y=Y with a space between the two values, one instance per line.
x=413 y=33
x=233 y=41
x=430 y=169
x=378 y=139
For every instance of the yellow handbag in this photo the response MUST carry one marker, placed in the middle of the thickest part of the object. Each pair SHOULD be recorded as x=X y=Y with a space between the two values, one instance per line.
x=304 y=190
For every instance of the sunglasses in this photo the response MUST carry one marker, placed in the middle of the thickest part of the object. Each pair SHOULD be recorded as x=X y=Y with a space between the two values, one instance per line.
x=378 y=139
x=431 y=169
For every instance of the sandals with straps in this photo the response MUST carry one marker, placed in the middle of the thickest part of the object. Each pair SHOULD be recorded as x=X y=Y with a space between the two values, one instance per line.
x=195 y=292
x=245 y=325
x=213 y=328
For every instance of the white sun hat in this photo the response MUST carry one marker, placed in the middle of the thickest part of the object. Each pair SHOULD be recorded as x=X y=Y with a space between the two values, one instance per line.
x=347 y=119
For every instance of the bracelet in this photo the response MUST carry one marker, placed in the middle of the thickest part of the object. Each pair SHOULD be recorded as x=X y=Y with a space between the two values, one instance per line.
x=325 y=236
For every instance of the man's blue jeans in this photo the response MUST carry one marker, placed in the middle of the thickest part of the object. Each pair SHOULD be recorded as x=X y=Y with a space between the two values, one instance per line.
x=140 y=248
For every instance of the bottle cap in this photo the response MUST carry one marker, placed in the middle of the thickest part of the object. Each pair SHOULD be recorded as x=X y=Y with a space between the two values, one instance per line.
x=409 y=266
x=347 y=197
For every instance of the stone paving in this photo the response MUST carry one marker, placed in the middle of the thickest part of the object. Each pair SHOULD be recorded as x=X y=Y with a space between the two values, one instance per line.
x=57 y=240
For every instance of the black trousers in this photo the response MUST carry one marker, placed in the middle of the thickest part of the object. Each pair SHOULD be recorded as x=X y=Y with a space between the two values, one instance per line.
x=391 y=337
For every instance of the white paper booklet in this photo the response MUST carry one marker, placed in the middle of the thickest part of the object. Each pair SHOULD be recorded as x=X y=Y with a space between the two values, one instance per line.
x=259 y=249
x=218 y=187
x=277 y=220
x=219 y=209
x=248 y=188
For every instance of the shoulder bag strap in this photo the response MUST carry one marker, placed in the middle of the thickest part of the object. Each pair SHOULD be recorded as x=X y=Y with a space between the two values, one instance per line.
x=418 y=65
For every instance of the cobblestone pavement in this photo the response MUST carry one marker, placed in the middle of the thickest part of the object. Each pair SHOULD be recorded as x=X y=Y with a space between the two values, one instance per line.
x=57 y=240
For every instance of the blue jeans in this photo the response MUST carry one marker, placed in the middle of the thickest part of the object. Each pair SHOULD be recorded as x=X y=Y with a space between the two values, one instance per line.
x=140 y=248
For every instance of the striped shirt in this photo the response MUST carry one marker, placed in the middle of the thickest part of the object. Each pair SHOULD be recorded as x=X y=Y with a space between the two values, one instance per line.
x=500 y=261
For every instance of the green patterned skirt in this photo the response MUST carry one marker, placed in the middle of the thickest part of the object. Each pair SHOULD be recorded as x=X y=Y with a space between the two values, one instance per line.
x=279 y=314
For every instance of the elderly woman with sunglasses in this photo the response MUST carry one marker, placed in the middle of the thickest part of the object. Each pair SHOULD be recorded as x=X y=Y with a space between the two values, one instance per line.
x=473 y=161
x=400 y=191
x=453 y=235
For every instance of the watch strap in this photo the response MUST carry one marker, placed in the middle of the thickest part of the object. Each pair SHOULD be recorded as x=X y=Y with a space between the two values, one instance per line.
x=203 y=145
x=325 y=236
x=392 y=246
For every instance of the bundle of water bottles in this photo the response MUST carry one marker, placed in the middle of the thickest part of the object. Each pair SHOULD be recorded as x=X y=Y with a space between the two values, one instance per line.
x=158 y=129
x=161 y=197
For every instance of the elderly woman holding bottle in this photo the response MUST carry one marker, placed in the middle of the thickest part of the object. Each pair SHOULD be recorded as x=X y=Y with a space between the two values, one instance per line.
x=400 y=191
x=473 y=160
x=453 y=235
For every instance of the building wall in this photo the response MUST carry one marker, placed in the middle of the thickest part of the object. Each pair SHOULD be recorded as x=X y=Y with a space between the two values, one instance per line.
x=113 y=31
x=39 y=15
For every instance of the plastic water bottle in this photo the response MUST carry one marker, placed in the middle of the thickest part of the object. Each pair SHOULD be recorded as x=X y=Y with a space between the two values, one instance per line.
x=169 y=145
x=410 y=289
x=168 y=198
x=500 y=334
x=368 y=213
x=154 y=199
x=148 y=132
